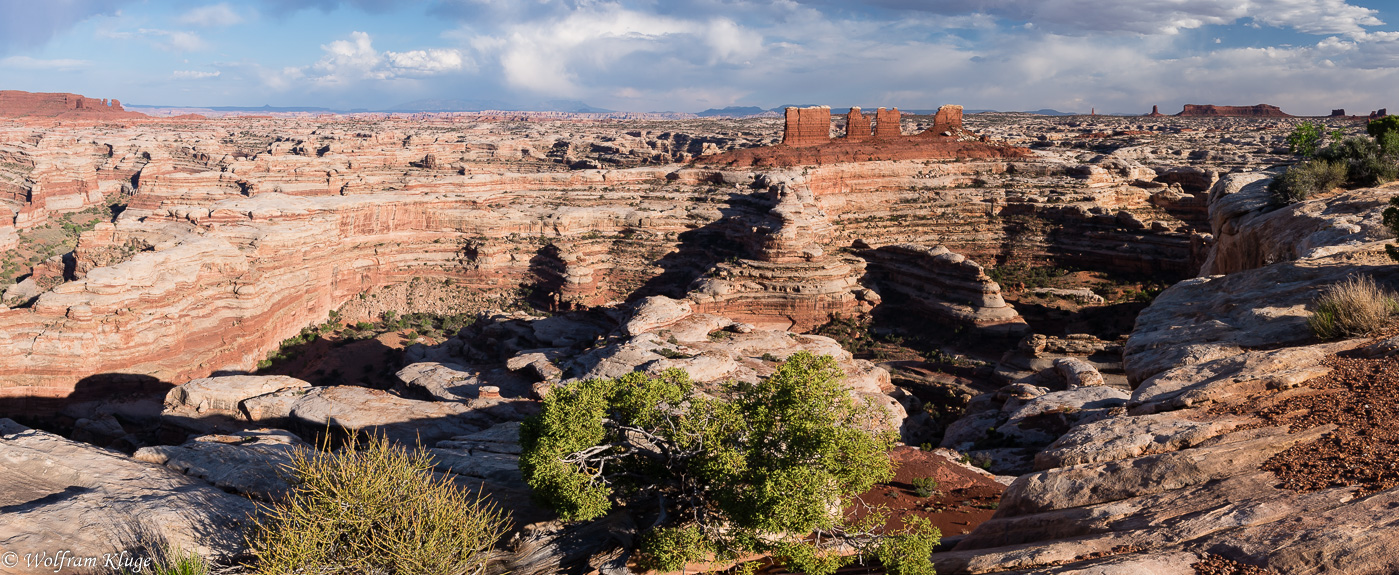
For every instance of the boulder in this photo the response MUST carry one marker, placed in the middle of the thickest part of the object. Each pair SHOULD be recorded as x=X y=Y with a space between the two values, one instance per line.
x=370 y=410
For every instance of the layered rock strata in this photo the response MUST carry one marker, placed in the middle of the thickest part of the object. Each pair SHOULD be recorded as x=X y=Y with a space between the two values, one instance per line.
x=944 y=286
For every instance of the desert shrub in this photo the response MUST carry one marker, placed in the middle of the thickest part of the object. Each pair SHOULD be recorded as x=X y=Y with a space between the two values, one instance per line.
x=925 y=486
x=1306 y=179
x=1352 y=308
x=1307 y=138
x=755 y=468
x=1391 y=221
x=373 y=507
x=1377 y=128
x=1365 y=162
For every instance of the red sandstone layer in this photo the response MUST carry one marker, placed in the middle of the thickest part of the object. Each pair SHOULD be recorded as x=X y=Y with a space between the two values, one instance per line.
x=1256 y=111
x=17 y=104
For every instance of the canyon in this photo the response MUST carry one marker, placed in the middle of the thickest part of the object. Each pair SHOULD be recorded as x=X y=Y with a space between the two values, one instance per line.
x=1079 y=312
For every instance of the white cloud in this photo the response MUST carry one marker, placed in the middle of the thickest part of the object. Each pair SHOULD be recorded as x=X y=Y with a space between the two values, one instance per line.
x=193 y=74
x=213 y=15
x=355 y=59
x=550 y=57
x=27 y=63
x=424 y=62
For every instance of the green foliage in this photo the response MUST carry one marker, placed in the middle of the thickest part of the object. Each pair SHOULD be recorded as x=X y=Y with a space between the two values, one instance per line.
x=1365 y=162
x=373 y=507
x=1307 y=138
x=1381 y=127
x=1391 y=221
x=1306 y=179
x=754 y=468
x=911 y=552
x=925 y=486
x=1352 y=308
x=175 y=561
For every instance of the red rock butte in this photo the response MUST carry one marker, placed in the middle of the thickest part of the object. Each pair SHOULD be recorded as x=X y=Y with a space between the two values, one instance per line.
x=1256 y=111
x=806 y=139
x=17 y=104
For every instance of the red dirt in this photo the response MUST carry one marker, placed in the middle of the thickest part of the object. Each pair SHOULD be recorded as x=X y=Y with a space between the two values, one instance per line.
x=964 y=500
x=1361 y=396
x=1217 y=565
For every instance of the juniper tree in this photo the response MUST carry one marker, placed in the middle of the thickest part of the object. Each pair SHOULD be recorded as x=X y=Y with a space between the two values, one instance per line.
x=768 y=467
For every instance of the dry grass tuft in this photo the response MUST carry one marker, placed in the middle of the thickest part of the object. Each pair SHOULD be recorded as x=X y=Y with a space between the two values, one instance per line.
x=1354 y=307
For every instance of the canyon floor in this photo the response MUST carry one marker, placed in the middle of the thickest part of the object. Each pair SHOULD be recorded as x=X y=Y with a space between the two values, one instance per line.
x=1096 y=343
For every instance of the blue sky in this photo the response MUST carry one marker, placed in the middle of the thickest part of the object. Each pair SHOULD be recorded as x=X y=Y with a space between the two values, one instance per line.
x=1308 y=56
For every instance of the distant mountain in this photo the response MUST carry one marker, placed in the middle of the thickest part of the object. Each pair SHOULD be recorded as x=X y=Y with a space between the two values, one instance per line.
x=248 y=108
x=449 y=105
x=733 y=111
x=452 y=105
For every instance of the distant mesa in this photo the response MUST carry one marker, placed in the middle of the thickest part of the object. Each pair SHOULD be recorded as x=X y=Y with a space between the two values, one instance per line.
x=806 y=139
x=1155 y=113
x=1210 y=110
x=18 y=104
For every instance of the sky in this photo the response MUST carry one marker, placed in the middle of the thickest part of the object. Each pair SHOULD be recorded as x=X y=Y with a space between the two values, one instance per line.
x=1123 y=56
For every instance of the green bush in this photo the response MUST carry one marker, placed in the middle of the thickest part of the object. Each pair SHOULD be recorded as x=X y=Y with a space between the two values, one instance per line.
x=1365 y=162
x=1352 y=308
x=1306 y=179
x=1307 y=138
x=373 y=507
x=925 y=486
x=754 y=470
x=1379 y=127
x=911 y=552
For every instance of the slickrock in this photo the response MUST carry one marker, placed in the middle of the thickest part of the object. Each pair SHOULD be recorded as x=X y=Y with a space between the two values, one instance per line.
x=224 y=395
x=378 y=412
x=58 y=494
x=254 y=462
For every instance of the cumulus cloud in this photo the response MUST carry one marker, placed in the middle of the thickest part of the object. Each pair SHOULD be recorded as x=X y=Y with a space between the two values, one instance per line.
x=356 y=59
x=214 y=15
x=549 y=57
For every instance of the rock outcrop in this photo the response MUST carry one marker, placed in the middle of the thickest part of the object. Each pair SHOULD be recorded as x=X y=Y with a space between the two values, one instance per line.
x=807 y=126
x=945 y=286
x=1254 y=111
x=17 y=104
x=62 y=495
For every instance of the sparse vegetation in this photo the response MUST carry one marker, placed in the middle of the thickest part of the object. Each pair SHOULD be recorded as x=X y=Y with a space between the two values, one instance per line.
x=1305 y=180
x=1354 y=307
x=755 y=470
x=373 y=507
x=925 y=486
